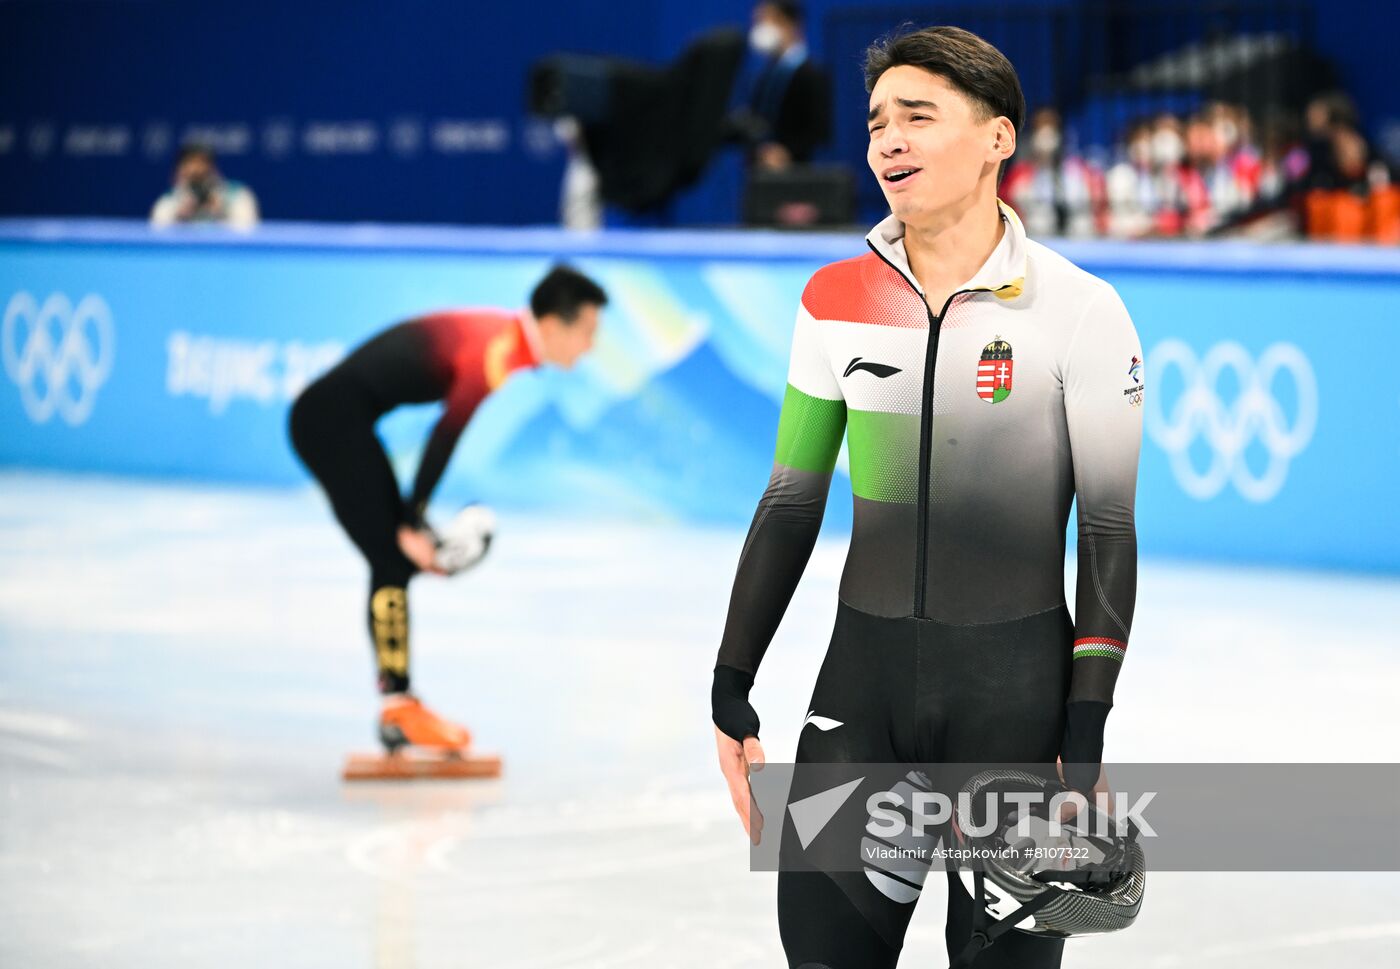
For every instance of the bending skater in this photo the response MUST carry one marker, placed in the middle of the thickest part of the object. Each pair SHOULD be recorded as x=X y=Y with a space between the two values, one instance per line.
x=457 y=357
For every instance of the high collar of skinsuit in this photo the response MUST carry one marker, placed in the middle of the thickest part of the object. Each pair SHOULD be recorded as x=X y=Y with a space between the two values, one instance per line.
x=1003 y=274
x=514 y=348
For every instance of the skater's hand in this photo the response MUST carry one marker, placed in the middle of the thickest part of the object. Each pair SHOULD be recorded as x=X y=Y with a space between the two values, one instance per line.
x=1081 y=749
x=1068 y=809
x=735 y=761
x=419 y=548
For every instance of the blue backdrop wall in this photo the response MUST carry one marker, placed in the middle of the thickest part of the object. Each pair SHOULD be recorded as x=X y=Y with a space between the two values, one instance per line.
x=1271 y=406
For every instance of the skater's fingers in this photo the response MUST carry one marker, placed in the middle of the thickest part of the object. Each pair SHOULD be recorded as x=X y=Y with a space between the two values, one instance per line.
x=754 y=759
x=418 y=547
x=1101 y=794
x=734 y=773
x=753 y=753
x=738 y=781
x=739 y=797
x=734 y=765
x=755 y=828
x=727 y=746
x=1068 y=809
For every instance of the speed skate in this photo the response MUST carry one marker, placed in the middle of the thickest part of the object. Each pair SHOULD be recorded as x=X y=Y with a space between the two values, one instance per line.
x=419 y=744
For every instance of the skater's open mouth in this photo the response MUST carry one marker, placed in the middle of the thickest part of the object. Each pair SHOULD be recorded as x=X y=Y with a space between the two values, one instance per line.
x=900 y=173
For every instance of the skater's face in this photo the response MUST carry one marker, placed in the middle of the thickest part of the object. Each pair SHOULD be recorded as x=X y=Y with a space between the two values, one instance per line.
x=930 y=146
x=564 y=342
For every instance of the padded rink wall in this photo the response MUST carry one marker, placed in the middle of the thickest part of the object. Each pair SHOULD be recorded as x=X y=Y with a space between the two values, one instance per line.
x=1272 y=407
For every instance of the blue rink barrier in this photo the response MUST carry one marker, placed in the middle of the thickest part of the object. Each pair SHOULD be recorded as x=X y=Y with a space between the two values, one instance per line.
x=1272 y=411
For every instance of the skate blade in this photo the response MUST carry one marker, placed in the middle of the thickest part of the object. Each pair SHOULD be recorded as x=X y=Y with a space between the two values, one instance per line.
x=408 y=765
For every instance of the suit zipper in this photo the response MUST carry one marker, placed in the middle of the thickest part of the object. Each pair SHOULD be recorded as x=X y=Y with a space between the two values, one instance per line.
x=935 y=324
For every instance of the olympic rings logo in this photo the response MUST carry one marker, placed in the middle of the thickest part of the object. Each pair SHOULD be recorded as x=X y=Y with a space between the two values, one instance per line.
x=58 y=354
x=1229 y=428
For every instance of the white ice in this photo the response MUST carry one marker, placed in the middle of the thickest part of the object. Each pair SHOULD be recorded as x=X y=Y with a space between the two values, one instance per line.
x=183 y=669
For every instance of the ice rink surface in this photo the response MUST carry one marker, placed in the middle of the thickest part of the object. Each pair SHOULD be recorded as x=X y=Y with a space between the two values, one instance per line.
x=183 y=670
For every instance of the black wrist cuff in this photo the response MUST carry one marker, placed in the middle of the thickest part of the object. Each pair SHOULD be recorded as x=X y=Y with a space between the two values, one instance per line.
x=1081 y=750
x=415 y=513
x=729 y=703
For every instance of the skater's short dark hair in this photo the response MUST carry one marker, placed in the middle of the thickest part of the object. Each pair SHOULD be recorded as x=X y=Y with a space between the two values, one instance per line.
x=563 y=292
x=967 y=62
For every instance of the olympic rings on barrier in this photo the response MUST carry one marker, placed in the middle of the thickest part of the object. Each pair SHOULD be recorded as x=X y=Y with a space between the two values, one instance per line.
x=1229 y=427
x=61 y=374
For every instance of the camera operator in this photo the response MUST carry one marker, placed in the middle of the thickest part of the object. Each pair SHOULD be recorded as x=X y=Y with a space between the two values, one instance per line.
x=201 y=194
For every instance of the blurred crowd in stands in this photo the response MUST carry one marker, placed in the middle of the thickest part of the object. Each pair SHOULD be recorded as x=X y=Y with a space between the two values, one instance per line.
x=1217 y=172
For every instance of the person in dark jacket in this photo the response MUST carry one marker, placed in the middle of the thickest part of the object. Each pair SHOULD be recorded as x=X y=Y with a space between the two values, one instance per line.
x=787 y=114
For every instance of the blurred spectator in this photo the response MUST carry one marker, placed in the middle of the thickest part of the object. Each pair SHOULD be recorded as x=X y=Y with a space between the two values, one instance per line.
x=1347 y=191
x=1339 y=157
x=1283 y=157
x=1153 y=191
x=1351 y=158
x=201 y=194
x=1128 y=186
x=1055 y=192
x=1324 y=115
x=1219 y=170
x=787 y=114
x=1226 y=161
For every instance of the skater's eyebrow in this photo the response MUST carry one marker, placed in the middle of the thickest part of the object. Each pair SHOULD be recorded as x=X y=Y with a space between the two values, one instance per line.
x=878 y=109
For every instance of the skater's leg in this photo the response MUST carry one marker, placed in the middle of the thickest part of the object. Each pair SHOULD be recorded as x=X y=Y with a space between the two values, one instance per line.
x=822 y=929
x=851 y=917
x=332 y=429
x=333 y=433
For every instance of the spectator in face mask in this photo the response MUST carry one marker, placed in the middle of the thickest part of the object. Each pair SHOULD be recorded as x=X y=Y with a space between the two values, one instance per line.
x=1176 y=191
x=1130 y=186
x=201 y=194
x=1224 y=165
x=1054 y=191
x=788 y=111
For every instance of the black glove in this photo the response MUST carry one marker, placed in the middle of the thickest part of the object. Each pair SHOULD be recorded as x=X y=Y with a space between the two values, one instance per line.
x=729 y=703
x=1081 y=750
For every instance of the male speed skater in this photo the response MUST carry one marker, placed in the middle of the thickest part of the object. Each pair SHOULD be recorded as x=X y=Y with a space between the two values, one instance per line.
x=457 y=357
x=982 y=383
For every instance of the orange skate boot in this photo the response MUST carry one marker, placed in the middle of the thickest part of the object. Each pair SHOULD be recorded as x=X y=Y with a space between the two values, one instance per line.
x=419 y=744
x=405 y=722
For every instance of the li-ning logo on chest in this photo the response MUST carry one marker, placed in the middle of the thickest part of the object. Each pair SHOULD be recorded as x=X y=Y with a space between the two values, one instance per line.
x=994 y=372
x=880 y=370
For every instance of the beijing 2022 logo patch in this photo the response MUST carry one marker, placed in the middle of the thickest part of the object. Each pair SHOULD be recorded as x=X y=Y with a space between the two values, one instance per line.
x=1134 y=393
x=994 y=372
